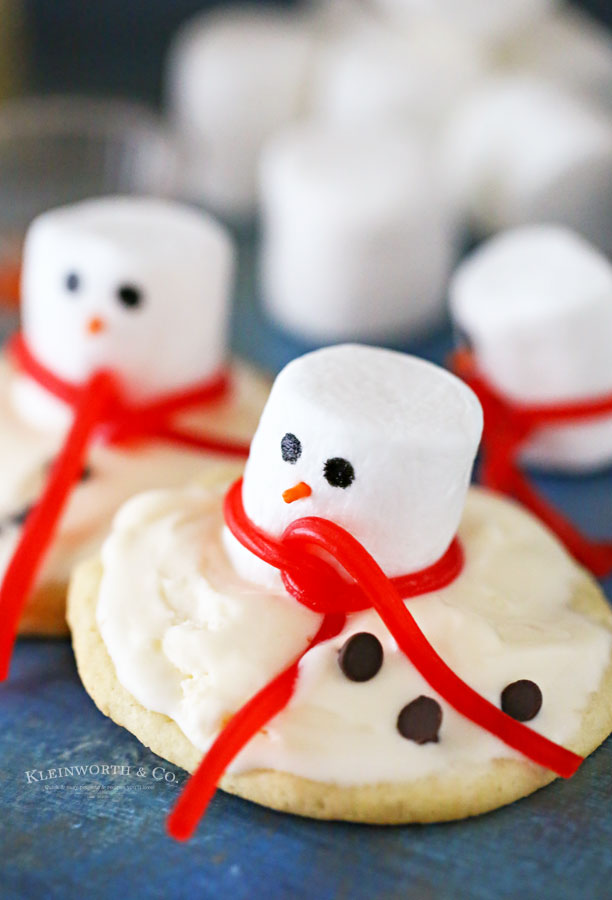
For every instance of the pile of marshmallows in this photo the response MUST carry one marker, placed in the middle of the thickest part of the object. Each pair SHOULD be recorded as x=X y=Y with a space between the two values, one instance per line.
x=372 y=135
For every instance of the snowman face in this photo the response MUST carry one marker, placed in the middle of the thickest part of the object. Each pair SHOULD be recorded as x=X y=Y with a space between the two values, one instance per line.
x=378 y=442
x=137 y=286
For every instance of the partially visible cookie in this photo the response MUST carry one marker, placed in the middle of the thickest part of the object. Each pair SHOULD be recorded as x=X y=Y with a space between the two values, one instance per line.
x=112 y=476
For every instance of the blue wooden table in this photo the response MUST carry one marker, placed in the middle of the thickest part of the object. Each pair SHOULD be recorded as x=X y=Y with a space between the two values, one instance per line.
x=100 y=831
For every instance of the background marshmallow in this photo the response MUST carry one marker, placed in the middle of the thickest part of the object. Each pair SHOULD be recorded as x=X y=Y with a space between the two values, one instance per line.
x=156 y=274
x=357 y=239
x=491 y=20
x=380 y=74
x=234 y=77
x=536 y=303
x=521 y=151
x=570 y=49
x=410 y=431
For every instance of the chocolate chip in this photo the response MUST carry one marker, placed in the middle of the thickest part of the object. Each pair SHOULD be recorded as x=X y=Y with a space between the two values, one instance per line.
x=361 y=657
x=420 y=721
x=339 y=472
x=522 y=700
x=291 y=448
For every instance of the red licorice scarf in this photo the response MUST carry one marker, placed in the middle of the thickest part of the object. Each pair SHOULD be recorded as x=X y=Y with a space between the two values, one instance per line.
x=507 y=427
x=100 y=413
x=312 y=581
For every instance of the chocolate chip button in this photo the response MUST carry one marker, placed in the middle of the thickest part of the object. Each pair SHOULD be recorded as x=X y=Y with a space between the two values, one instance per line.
x=420 y=721
x=361 y=657
x=522 y=700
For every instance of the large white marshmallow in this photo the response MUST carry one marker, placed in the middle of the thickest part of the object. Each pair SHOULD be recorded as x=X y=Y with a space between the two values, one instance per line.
x=522 y=151
x=153 y=277
x=358 y=241
x=490 y=20
x=571 y=49
x=379 y=74
x=234 y=77
x=408 y=429
x=536 y=304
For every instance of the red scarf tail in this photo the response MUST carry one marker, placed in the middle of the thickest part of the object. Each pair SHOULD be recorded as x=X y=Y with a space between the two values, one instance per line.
x=382 y=593
x=41 y=524
x=244 y=725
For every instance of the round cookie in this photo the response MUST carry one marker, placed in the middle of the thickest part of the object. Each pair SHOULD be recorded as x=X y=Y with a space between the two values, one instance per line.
x=461 y=661
x=459 y=792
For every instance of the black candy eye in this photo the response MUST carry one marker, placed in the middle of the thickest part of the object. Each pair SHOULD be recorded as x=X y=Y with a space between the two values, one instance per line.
x=129 y=296
x=291 y=448
x=339 y=472
x=72 y=282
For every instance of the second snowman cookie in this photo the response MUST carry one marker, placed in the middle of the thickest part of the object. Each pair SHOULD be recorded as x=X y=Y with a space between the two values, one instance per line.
x=140 y=289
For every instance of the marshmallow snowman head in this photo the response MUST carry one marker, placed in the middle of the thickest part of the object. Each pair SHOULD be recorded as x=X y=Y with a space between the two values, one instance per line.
x=379 y=442
x=535 y=303
x=138 y=286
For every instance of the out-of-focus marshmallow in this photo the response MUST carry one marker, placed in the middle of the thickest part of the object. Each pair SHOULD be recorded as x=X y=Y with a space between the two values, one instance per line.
x=490 y=20
x=536 y=304
x=384 y=441
x=137 y=285
x=234 y=77
x=358 y=242
x=571 y=49
x=520 y=151
x=382 y=75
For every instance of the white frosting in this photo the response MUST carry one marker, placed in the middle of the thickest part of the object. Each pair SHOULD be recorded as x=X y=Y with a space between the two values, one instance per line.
x=77 y=259
x=190 y=640
x=536 y=303
x=519 y=151
x=340 y=207
x=25 y=452
x=410 y=431
x=234 y=76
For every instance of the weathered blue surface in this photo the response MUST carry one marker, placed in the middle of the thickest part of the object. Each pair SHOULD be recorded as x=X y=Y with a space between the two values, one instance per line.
x=98 y=835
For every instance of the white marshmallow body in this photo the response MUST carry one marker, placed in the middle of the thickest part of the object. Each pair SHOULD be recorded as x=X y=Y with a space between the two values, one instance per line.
x=489 y=20
x=410 y=431
x=570 y=49
x=383 y=75
x=178 y=260
x=234 y=78
x=358 y=242
x=536 y=303
x=520 y=151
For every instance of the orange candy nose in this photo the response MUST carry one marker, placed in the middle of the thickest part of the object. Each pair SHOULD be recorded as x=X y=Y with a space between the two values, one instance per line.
x=297 y=492
x=95 y=325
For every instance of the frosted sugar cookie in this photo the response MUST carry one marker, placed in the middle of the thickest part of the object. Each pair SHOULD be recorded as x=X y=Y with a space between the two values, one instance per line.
x=343 y=636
